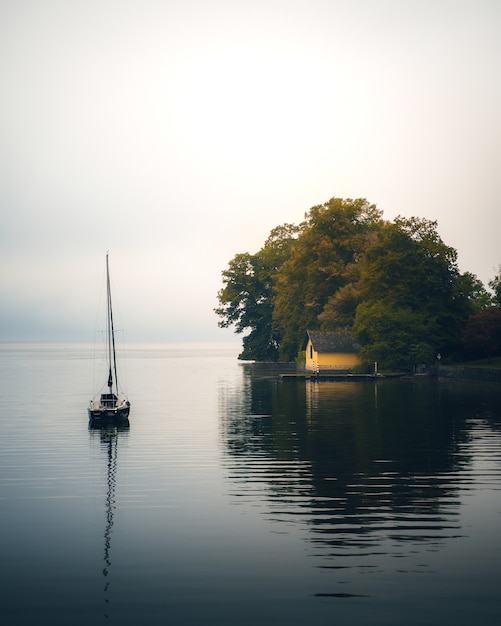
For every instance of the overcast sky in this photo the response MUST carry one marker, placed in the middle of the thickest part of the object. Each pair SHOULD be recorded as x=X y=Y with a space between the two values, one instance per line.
x=177 y=133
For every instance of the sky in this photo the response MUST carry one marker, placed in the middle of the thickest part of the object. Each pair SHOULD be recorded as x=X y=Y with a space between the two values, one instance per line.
x=177 y=133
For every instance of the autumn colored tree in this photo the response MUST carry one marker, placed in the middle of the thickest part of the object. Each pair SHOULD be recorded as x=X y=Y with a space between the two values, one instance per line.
x=482 y=334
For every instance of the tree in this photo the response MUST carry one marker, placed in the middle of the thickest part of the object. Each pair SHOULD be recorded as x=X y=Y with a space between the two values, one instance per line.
x=473 y=290
x=395 y=336
x=413 y=301
x=332 y=238
x=396 y=285
x=495 y=285
x=246 y=300
x=482 y=334
x=340 y=309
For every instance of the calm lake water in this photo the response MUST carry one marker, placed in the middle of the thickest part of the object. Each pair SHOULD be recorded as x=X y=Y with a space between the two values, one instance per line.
x=234 y=499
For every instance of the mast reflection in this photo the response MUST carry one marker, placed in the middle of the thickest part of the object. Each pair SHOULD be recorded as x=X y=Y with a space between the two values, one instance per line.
x=109 y=435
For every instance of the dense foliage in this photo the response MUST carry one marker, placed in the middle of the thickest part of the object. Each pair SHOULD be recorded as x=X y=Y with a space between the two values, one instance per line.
x=395 y=285
x=412 y=302
x=331 y=241
x=247 y=298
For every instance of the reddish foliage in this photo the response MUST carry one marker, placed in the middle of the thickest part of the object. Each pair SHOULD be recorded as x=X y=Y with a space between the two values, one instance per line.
x=482 y=334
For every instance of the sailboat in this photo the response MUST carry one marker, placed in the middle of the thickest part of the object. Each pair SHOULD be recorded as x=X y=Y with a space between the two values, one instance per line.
x=113 y=405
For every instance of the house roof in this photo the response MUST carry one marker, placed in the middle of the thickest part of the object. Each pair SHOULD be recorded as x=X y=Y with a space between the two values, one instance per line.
x=332 y=341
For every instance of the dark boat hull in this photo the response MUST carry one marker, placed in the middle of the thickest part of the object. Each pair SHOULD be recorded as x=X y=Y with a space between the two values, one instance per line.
x=117 y=415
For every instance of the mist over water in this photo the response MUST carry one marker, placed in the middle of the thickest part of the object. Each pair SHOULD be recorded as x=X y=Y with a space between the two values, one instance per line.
x=237 y=498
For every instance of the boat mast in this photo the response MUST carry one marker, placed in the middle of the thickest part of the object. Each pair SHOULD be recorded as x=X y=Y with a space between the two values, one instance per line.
x=111 y=334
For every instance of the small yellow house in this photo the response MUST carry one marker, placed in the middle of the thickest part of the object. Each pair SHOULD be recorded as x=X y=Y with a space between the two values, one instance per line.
x=331 y=351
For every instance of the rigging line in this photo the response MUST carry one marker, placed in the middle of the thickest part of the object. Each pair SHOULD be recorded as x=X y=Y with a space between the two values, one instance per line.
x=114 y=349
x=116 y=345
x=108 y=325
x=111 y=329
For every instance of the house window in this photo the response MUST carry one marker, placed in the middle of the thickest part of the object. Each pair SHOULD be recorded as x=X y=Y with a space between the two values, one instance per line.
x=311 y=351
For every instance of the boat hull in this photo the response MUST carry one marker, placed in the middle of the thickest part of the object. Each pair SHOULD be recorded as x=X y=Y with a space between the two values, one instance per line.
x=117 y=415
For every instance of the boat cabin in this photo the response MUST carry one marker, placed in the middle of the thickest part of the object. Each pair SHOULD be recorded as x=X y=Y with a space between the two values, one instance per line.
x=108 y=400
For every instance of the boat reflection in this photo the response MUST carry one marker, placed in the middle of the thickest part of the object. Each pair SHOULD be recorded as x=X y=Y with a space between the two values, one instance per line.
x=108 y=436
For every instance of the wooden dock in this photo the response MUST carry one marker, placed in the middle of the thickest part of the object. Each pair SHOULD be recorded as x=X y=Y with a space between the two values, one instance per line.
x=327 y=376
x=333 y=376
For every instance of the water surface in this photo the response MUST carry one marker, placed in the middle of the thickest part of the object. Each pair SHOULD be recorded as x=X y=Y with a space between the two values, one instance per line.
x=239 y=499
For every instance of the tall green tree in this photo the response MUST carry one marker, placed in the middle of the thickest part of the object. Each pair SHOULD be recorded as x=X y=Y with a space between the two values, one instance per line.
x=246 y=299
x=413 y=300
x=333 y=237
x=340 y=309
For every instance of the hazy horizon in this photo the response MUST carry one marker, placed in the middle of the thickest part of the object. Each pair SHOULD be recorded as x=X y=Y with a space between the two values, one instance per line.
x=176 y=134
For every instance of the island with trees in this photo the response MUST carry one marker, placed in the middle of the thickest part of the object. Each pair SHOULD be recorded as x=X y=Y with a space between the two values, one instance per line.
x=394 y=285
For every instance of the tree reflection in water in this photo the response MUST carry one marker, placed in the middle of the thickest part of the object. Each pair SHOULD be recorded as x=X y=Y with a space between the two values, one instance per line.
x=369 y=470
